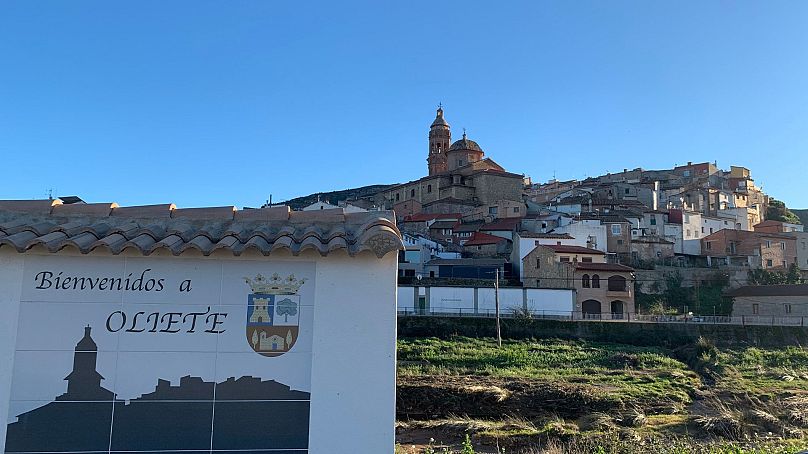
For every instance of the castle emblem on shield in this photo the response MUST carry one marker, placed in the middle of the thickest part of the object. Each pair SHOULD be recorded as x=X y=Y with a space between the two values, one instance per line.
x=273 y=313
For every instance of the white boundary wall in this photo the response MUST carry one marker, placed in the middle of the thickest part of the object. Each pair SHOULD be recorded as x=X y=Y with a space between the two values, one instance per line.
x=480 y=300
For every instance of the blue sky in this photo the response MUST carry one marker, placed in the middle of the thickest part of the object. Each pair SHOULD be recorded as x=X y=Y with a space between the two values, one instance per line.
x=216 y=103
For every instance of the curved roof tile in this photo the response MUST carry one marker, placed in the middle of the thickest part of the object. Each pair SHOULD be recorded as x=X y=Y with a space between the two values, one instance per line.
x=145 y=229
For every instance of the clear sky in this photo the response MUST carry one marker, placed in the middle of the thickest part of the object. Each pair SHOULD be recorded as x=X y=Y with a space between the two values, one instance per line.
x=207 y=103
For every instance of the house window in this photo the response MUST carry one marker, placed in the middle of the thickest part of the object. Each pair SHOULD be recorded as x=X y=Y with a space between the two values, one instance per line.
x=688 y=233
x=768 y=243
x=585 y=281
x=492 y=210
x=428 y=188
x=702 y=230
x=595 y=281
x=412 y=192
x=619 y=242
x=787 y=308
x=564 y=259
x=653 y=220
x=755 y=308
x=711 y=230
x=515 y=209
x=398 y=196
x=586 y=259
x=538 y=263
x=769 y=263
x=616 y=230
x=783 y=245
x=709 y=245
x=617 y=284
x=626 y=190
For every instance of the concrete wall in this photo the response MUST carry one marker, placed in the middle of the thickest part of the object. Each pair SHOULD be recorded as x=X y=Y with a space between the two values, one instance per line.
x=480 y=300
x=647 y=334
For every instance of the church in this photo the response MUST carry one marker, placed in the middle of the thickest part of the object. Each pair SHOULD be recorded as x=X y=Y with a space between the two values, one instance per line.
x=460 y=179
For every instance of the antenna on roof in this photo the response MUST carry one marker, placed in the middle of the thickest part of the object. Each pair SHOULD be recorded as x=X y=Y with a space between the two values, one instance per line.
x=50 y=194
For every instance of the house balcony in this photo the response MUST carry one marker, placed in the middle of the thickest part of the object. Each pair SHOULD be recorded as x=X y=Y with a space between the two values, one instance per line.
x=619 y=293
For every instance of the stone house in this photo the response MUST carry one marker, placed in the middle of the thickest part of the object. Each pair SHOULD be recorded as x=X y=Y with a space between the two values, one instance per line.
x=483 y=245
x=770 y=300
x=757 y=249
x=601 y=289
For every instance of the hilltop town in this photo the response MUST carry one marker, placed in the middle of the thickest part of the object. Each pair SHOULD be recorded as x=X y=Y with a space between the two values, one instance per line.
x=469 y=219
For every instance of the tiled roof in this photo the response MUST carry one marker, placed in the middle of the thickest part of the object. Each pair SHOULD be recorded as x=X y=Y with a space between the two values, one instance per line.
x=559 y=236
x=468 y=227
x=25 y=224
x=572 y=249
x=422 y=217
x=771 y=290
x=602 y=267
x=502 y=224
x=479 y=239
x=443 y=224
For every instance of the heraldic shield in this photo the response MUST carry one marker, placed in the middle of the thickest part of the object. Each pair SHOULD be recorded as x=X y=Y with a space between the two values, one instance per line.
x=273 y=314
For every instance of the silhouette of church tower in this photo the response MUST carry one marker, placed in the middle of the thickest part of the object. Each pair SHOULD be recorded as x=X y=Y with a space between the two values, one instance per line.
x=84 y=382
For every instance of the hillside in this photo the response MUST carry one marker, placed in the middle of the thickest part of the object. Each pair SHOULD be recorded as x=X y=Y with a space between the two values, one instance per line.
x=802 y=214
x=554 y=395
x=335 y=197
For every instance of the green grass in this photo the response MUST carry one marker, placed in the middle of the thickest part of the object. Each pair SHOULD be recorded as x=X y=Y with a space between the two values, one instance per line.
x=765 y=372
x=621 y=371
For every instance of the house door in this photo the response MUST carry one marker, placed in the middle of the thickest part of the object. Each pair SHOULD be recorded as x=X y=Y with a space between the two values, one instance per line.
x=617 y=310
x=421 y=305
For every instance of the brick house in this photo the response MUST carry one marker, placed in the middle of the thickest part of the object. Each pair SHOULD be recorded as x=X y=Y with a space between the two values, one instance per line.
x=757 y=249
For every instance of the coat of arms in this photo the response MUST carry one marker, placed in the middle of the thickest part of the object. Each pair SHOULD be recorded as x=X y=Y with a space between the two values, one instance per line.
x=273 y=313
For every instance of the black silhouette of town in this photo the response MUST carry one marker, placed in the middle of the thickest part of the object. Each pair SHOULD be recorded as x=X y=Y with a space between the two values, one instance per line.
x=89 y=417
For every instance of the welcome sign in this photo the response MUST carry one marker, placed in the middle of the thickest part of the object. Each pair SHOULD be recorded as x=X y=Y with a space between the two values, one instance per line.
x=138 y=354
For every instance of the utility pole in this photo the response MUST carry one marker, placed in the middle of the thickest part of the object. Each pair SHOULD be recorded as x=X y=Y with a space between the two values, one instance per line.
x=496 y=302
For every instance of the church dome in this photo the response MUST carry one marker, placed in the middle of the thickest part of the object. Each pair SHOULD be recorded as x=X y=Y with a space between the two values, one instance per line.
x=439 y=120
x=465 y=144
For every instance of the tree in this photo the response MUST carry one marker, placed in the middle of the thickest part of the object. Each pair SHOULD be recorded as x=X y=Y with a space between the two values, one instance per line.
x=766 y=277
x=286 y=307
x=793 y=276
x=777 y=211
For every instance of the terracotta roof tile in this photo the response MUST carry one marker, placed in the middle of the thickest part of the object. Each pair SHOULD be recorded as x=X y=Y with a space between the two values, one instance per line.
x=479 y=239
x=602 y=267
x=89 y=209
x=572 y=249
x=146 y=229
x=771 y=290
x=145 y=211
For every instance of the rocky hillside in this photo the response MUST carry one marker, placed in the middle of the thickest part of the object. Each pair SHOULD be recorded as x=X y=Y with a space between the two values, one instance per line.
x=334 y=197
x=802 y=214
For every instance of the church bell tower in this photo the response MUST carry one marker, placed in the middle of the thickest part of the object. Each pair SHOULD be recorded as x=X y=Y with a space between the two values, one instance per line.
x=440 y=137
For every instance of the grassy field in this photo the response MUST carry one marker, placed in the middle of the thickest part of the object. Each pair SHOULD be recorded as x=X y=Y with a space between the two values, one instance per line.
x=579 y=396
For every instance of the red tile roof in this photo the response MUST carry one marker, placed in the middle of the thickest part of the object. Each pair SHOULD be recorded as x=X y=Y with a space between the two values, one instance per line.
x=502 y=224
x=573 y=249
x=479 y=239
x=602 y=267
